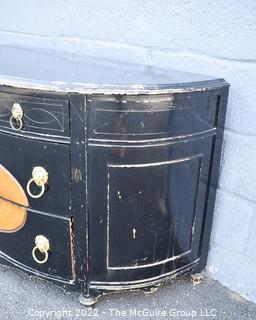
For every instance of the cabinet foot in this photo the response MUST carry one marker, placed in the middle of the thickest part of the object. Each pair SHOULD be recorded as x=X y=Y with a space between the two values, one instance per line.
x=196 y=278
x=88 y=301
x=150 y=289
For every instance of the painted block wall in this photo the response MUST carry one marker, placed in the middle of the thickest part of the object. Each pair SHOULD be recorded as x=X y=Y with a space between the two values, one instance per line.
x=209 y=37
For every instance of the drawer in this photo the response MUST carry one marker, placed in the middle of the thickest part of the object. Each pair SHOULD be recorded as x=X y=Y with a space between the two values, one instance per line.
x=46 y=117
x=18 y=157
x=17 y=247
x=156 y=117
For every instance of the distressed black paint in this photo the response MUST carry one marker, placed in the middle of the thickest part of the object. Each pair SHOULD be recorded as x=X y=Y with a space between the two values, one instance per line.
x=133 y=172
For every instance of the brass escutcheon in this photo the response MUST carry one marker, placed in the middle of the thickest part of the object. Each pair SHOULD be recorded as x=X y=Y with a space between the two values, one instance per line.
x=40 y=178
x=42 y=244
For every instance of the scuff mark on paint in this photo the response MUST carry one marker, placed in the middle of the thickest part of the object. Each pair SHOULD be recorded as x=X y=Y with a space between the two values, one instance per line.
x=119 y=194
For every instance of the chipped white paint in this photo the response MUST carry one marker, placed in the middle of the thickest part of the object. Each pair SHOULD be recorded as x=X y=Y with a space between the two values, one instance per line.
x=108 y=217
x=134 y=233
x=119 y=195
x=89 y=88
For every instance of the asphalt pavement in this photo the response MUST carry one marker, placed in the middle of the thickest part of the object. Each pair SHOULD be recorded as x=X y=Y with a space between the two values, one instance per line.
x=23 y=297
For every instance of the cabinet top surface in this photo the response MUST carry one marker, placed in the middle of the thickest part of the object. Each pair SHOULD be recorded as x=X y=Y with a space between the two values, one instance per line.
x=47 y=70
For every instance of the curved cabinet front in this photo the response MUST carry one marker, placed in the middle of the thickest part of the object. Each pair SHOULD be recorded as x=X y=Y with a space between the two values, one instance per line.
x=104 y=191
x=136 y=118
x=147 y=205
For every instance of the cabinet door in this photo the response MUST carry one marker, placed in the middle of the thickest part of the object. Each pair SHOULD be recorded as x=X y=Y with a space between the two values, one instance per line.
x=146 y=207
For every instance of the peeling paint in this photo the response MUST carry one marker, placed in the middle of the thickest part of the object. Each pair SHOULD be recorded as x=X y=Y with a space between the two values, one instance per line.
x=87 y=88
x=72 y=247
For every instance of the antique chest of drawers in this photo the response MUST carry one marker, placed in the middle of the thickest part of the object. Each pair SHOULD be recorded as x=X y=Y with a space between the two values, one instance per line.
x=108 y=171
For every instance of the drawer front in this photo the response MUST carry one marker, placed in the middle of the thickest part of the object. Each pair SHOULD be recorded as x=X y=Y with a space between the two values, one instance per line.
x=19 y=156
x=156 y=117
x=49 y=117
x=17 y=247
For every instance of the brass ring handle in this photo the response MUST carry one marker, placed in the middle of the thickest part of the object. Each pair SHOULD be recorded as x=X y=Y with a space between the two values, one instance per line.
x=35 y=196
x=40 y=178
x=17 y=114
x=42 y=244
x=36 y=259
x=18 y=121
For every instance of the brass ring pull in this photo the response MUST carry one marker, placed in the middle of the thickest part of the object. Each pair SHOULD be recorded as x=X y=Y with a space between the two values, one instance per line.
x=17 y=114
x=35 y=196
x=42 y=244
x=40 y=178
x=18 y=121
x=44 y=252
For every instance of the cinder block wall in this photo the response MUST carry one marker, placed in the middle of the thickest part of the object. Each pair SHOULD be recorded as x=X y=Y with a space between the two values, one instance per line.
x=211 y=37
